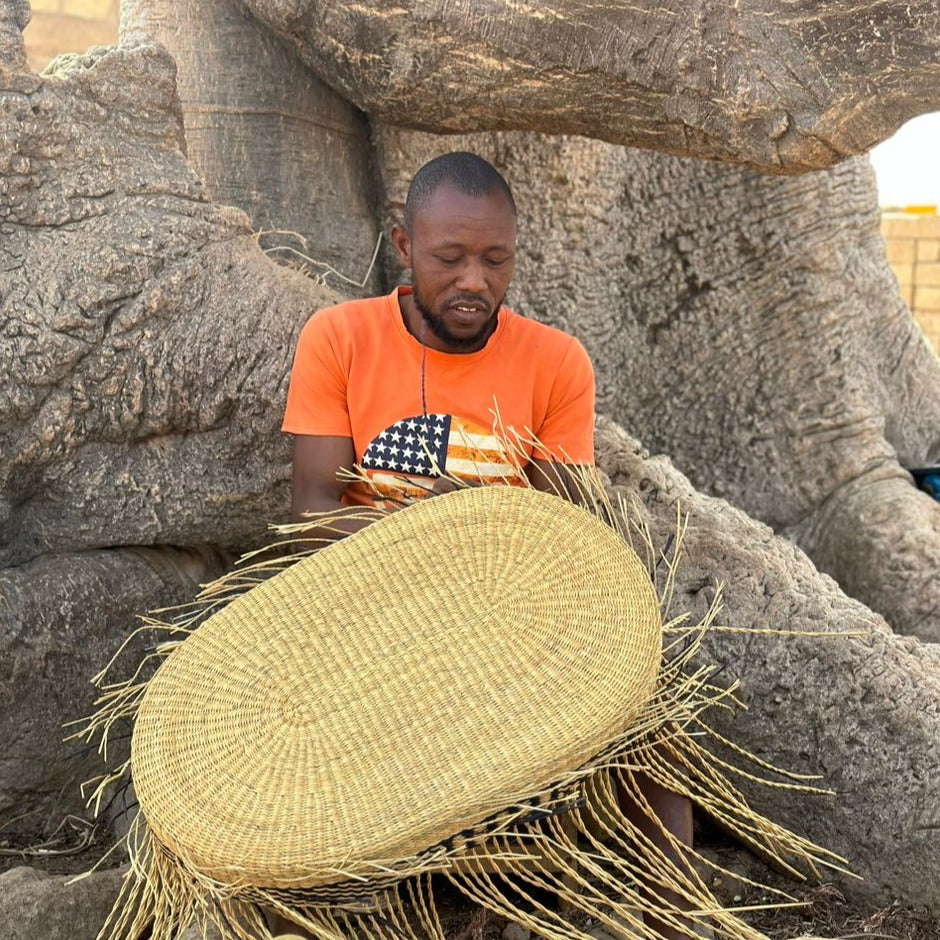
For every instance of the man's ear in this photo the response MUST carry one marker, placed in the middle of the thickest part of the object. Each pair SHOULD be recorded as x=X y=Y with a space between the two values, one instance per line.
x=402 y=242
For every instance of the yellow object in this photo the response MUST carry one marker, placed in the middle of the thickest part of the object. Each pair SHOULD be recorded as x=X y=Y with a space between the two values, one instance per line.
x=396 y=688
x=466 y=687
x=910 y=210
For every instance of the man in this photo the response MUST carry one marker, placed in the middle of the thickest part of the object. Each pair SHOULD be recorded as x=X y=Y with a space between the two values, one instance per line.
x=438 y=378
x=441 y=380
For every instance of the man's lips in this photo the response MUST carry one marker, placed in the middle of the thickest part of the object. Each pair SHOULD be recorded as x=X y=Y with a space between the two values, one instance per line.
x=468 y=311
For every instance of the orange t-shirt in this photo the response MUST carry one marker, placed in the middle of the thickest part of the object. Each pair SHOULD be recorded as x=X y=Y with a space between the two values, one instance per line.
x=414 y=412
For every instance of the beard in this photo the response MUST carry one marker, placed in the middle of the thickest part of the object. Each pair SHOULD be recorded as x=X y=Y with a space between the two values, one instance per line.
x=437 y=326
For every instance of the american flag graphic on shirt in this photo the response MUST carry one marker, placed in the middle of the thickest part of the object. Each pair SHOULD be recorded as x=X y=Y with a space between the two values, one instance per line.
x=406 y=458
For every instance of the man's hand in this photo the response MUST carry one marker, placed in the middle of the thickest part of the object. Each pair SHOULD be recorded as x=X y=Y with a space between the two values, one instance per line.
x=315 y=487
x=448 y=485
x=558 y=478
x=543 y=475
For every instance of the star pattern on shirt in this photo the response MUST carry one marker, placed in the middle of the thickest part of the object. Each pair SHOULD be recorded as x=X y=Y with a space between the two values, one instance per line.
x=415 y=445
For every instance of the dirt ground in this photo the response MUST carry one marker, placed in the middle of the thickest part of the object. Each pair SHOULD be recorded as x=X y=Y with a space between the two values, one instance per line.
x=826 y=913
x=829 y=914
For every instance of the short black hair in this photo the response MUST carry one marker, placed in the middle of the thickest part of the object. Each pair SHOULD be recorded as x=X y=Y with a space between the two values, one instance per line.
x=465 y=171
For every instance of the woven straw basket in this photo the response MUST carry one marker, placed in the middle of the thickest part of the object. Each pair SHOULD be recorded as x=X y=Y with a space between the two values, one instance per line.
x=470 y=687
x=399 y=687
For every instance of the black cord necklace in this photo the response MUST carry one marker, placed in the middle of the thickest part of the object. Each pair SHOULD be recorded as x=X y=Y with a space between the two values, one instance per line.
x=424 y=360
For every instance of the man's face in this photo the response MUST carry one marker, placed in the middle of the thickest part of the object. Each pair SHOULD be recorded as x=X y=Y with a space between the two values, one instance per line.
x=461 y=251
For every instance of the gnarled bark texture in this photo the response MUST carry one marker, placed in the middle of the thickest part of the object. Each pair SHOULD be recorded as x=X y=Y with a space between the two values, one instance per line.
x=14 y=15
x=38 y=906
x=837 y=706
x=62 y=617
x=145 y=342
x=747 y=326
x=775 y=86
x=140 y=323
x=266 y=135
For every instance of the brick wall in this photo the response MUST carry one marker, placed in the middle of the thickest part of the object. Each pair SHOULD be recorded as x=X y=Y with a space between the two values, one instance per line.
x=69 y=26
x=913 y=246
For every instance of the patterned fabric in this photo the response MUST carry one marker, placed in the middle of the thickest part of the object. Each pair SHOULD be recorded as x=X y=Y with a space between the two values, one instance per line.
x=405 y=458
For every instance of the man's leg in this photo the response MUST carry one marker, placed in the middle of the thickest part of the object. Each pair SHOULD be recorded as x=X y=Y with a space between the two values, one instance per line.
x=284 y=928
x=674 y=812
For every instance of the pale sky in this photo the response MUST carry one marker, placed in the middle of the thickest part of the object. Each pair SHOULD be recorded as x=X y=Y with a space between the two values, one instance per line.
x=908 y=164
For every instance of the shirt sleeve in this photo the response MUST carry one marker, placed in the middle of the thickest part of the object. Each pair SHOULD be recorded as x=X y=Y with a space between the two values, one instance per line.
x=316 y=396
x=567 y=433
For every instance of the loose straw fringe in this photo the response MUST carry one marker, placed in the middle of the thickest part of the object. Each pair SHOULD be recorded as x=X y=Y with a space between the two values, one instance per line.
x=572 y=840
x=305 y=260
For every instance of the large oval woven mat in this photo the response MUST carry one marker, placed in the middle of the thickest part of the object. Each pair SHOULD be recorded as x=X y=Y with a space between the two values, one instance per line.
x=396 y=688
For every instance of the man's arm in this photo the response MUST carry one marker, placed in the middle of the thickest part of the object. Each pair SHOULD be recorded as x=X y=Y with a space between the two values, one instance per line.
x=552 y=477
x=566 y=430
x=315 y=488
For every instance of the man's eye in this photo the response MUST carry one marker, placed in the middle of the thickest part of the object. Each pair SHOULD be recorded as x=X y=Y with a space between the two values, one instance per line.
x=496 y=262
x=444 y=260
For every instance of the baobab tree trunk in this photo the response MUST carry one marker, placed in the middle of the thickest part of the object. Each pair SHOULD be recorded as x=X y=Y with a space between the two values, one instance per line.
x=14 y=16
x=817 y=703
x=746 y=325
x=265 y=134
x=779 y=87
x=731 y=315
x=141 y=325
x=63 y=616
x=147 y=343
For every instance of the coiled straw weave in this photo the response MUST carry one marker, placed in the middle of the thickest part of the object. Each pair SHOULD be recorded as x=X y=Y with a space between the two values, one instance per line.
x=460 y=688
x=396 y=688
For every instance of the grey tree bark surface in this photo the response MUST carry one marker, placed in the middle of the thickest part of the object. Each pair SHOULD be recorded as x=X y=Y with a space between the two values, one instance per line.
x=35 y=905
x=148 y=340
x=749 y=327
x=265 y=134
x=62 y=617
x=14 y=16
x=38 y=906
x=141 y=322
x=779 y=87
x=145 y=343
x=861 y=711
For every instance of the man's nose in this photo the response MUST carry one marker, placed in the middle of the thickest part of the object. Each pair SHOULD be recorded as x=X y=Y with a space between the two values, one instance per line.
x=471 y=278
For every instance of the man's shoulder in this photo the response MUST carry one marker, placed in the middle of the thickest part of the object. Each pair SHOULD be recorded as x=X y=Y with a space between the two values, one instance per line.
x=525 y=329
x=357 y=307
x=348 y=316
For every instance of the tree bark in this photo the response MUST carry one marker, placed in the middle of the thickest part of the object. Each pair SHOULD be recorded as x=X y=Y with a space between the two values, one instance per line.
x=63 y=617
x=862 y=711
x=778 y=87
x=141 y=323
x=14 y=15
x=266 y=135
x=35 y=905
x=747 y=326
x=147 y=341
